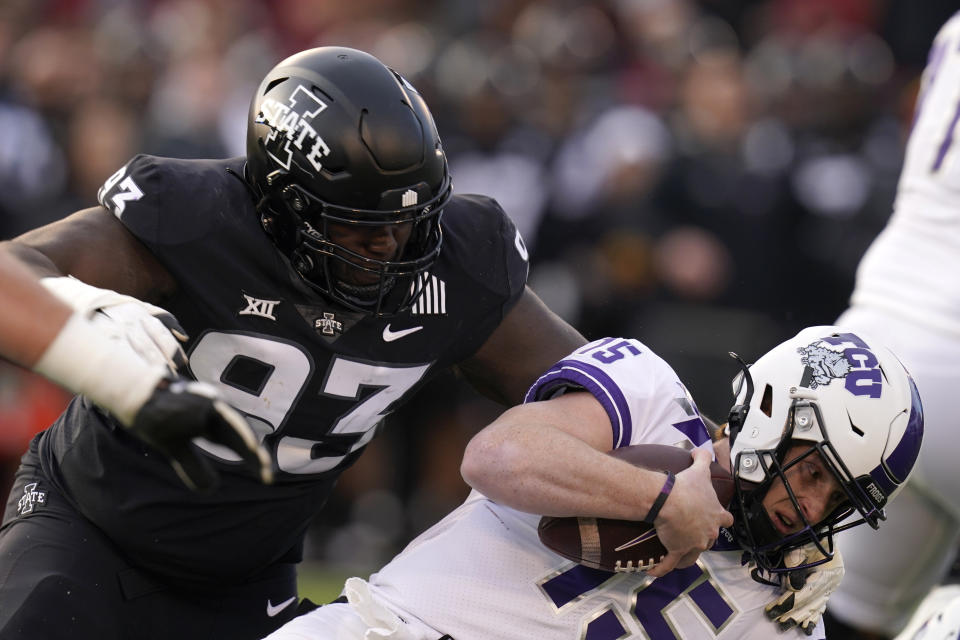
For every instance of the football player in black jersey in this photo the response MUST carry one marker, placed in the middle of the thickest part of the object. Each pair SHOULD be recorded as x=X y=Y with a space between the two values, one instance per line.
x=322 y=279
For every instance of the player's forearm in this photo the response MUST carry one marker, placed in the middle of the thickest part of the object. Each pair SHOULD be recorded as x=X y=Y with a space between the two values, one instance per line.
x=77 y=245
x=29 y=261
x=535 y=467
x=31 y=318
x=48 y=327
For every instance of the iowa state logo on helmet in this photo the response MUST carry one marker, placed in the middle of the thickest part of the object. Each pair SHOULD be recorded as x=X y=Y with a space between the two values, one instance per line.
x=842 y=357
x=292 y=124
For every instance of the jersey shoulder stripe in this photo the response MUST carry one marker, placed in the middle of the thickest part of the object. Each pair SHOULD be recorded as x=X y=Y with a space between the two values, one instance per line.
x=568 y=374
x=641 y=394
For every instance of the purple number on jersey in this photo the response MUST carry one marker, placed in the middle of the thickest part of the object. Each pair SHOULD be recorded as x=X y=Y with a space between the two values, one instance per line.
x=649 y=604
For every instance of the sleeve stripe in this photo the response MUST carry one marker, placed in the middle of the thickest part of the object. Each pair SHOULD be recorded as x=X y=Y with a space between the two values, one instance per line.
x=599 y=384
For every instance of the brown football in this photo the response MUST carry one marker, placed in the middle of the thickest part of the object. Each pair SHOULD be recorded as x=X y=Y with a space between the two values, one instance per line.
x=625 y=545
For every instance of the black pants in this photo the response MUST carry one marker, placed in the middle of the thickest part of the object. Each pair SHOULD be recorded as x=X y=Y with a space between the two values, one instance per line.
x=61 y=578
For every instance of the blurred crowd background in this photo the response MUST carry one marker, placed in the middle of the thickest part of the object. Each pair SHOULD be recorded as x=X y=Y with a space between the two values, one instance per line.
x=703 y=175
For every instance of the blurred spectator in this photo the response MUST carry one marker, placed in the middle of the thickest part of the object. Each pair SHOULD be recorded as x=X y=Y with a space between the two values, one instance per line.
x=102 y=135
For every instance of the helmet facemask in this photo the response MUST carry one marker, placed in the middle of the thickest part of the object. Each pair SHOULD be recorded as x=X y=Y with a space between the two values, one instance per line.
x=338 y=271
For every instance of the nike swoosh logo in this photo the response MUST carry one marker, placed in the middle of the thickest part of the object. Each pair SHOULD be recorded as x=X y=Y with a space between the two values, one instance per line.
x=643 y=537
x=390 y=336
x=273 y=609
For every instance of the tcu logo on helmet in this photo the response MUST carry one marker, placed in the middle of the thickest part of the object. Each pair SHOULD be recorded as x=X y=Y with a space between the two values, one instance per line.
x=856 y=365
x=295 y=122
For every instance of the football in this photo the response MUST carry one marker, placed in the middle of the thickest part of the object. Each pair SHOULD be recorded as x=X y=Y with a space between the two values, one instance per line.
x=625 y=545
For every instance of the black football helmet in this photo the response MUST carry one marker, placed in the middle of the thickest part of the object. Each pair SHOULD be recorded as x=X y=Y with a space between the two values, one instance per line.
x=336 y=137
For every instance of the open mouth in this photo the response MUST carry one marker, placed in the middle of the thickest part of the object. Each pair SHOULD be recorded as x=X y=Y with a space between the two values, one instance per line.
x=785 y=524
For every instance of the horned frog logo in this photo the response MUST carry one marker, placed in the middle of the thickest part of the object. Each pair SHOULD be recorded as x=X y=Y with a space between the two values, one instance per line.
x=826 y=364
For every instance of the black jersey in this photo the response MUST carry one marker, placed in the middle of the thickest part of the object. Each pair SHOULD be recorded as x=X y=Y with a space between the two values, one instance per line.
x=315 y=380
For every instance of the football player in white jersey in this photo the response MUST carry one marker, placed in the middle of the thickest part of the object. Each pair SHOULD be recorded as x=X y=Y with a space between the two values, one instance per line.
x=937 y=617
x=826 y=428
x=907 y=294
x=124 y=366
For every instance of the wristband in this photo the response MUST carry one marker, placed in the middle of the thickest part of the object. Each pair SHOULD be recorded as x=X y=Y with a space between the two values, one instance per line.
x=658 y=503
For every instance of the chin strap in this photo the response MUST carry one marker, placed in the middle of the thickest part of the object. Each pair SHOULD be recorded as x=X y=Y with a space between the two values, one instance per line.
x=285 y=239
x=738 y=413
x=760 y=576
x=249 y=187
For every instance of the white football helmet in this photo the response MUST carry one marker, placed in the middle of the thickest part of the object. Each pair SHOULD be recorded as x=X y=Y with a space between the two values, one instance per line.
x=854 y=403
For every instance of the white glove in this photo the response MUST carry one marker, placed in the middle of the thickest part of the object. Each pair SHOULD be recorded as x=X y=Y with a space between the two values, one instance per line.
x=805 y=592
x=152 y=332
x=119 y=352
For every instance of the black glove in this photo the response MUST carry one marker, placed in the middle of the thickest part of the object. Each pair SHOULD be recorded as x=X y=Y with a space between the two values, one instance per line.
x=180 y=410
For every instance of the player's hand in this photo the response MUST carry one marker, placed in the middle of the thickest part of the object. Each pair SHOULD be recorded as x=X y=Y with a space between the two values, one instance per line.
x=124 y=355
x=180 y=410
x=805 y=592
x=151 y=331
x=691 y=518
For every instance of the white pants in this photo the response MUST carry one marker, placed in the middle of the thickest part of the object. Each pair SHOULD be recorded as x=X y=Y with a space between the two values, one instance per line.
x=362 y=617
x=889 y=571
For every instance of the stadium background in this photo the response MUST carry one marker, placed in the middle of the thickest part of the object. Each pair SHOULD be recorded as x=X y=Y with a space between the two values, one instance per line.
x=703 y=175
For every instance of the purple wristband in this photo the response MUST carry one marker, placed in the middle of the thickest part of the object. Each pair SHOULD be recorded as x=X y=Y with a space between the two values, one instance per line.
x=658 y=503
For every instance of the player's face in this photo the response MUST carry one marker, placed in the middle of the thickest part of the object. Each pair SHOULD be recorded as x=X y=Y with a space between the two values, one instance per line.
x=385 y=242
x=815 y=487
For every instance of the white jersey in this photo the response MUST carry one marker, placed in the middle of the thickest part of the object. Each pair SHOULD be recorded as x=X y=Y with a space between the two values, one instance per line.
x=481 y=573
x=908 y=296
x=937 y=617
x=921 y=243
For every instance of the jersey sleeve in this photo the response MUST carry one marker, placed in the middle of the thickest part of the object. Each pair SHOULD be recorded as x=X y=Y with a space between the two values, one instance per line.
x=483 y=263
x=156 y=199
x=483 y=238
x=641 y=394
x=931 y=169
